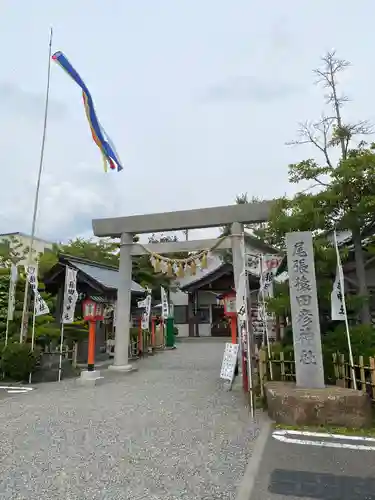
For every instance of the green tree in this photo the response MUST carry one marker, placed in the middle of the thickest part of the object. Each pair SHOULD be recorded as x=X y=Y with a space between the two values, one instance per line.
x=12 y=251
x=103 y=251
x=345 y=199
x=42 y=323
x=106 y=251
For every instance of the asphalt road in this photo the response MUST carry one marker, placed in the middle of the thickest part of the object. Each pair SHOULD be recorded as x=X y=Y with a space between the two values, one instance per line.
x=12 y=391
x=324 y=469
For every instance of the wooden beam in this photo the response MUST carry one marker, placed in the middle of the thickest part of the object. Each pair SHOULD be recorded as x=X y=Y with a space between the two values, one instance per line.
x=179 y=246
x=184 y=219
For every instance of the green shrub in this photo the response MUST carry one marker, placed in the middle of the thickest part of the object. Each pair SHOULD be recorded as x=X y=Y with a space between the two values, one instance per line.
x=134 y=334
x=334 y=341
x=76 y=331
x=362 y=339
x=17 y=361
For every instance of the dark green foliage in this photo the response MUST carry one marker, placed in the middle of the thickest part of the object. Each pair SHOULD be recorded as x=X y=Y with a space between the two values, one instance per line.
x=42 y=323
x=106 y=251
x=17 y=361
x=335 y=341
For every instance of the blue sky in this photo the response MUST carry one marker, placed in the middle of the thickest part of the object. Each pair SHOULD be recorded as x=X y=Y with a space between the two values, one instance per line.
x=198 y=96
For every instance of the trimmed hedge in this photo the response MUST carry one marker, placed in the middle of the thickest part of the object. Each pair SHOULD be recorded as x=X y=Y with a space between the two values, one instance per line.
x=18 y=361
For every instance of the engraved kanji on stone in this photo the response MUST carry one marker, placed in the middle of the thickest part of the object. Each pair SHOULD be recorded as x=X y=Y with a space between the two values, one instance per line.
x=299 y=249
x=307 y=357
x=302 y=284
x=305 y=319
x=304 y=300
x=300 y=266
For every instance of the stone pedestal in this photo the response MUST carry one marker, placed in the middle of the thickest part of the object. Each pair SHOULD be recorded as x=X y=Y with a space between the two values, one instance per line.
x=89 y=378
x=333 y=406
x=122 y=368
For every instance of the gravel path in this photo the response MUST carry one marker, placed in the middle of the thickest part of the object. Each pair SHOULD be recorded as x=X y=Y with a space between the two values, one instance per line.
x=168 y=431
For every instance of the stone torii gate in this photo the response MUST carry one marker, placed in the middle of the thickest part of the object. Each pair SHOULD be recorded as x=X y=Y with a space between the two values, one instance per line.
x=126 y=227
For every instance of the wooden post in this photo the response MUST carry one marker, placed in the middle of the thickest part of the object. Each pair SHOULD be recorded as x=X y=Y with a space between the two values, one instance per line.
x=372 y=368
x=362 y=372
x=140 y=339
x=282 y=365
x=335 y=367
x=262 y=370
x=153 y=332
x=342 y=368
x=75 y=354
x=91 y=347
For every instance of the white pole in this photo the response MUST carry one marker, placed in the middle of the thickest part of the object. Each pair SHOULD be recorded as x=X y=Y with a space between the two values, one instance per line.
x=33 y=332
x=61 y=349
x=265 y=319
x=342 y=290
x=24 y=322
x=9 y=305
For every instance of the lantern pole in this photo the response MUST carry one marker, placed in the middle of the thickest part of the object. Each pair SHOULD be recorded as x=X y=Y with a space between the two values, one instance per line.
x=91 y=347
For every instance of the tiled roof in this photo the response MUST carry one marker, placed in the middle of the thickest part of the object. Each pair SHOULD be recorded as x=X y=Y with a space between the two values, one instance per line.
x=107 y=277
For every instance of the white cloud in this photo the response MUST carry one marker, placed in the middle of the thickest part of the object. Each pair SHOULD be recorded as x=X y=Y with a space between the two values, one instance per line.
x=72 y=191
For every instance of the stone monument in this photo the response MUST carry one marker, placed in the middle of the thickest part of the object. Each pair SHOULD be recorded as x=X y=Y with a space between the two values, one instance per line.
x=309 y=401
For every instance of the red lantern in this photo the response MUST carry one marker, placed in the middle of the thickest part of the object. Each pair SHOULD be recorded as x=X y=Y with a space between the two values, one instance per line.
x=92 y=312
x=230 y=305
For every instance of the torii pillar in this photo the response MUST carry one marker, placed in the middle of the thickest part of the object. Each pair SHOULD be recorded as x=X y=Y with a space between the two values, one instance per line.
x=126 y=227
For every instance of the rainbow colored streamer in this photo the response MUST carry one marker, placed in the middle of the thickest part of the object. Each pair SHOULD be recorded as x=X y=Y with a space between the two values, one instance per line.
x=101 y=139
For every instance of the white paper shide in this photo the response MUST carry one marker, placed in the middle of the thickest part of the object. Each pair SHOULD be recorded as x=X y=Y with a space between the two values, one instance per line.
x=70 y=296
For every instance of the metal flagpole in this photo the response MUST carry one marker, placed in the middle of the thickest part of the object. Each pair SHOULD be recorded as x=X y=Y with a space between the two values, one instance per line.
x=7 y=325
x=25 y=319
x=342 y=290
x=12 y=290
x=33 y=333
x=61 y=348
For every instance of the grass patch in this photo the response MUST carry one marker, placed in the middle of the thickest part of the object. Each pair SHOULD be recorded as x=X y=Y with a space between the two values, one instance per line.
x=345 y=431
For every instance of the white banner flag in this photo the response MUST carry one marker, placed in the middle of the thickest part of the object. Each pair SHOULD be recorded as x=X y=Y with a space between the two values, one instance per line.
x=146 y=305
x=241 y=296
x=70 y=296
x=41 y=306
x=164 y=304
x=338 y=291
x=337 y=303
x=269 y=265
x=32 y=276
x=12 y=291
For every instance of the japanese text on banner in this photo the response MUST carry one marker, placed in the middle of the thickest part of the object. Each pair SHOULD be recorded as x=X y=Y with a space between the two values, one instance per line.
x=146 y=305
x=164 y=304
x=70 y=295
x=41 y=306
